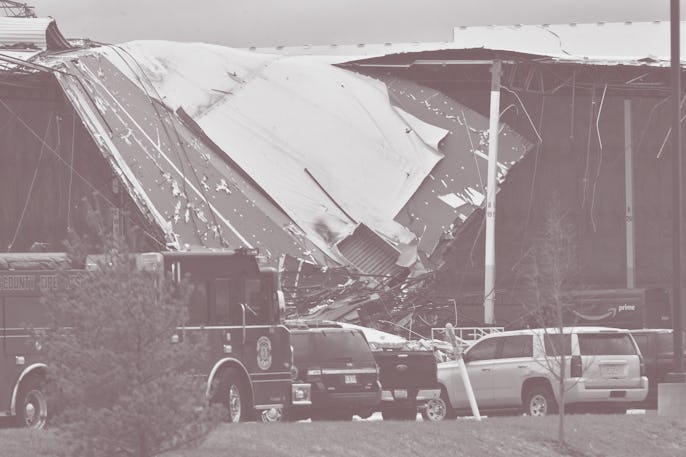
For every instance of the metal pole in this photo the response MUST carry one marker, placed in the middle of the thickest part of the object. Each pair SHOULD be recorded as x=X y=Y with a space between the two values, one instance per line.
x=450 y=331
x=629 y=192
x=491 y=188
x=675 y=22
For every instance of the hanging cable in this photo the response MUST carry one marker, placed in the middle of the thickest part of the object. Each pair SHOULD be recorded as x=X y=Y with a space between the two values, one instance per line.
x=600 y=160
x=588 y=148
x=33 y=182
x=49 y=148
x=533 y=126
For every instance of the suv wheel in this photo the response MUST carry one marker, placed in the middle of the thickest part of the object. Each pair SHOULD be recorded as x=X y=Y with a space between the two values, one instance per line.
x=436 y=410
x=539 y=401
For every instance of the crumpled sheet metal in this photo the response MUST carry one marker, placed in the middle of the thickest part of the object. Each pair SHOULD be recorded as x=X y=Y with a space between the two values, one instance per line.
x=325 y=143
x=456 y=185
x=176 y=180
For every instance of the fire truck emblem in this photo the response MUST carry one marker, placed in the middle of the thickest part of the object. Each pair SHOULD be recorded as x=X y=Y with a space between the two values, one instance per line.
x=264 y=353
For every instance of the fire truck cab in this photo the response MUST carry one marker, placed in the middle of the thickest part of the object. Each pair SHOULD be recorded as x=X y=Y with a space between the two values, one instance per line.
x=237 y=304
x=240 y=307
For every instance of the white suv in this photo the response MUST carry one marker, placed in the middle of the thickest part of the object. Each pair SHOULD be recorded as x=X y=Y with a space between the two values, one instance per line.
x=518 y=370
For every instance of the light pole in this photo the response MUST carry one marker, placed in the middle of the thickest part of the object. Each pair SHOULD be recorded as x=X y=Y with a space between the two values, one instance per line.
x=678 y=375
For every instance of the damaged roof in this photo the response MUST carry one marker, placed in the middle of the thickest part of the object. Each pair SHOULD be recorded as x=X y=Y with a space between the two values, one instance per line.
x=223 y=148
x=598 y=43
x=295 y=150
x=178 y=181
x=38 y=34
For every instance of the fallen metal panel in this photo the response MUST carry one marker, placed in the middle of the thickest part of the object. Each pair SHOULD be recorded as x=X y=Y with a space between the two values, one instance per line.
x=175 y=179
x=370 y=253
x=456 y=185
x=300 y=128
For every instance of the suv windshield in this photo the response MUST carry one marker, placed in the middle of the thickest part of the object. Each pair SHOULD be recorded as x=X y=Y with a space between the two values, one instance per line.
x=330 y=345
x=606 y=344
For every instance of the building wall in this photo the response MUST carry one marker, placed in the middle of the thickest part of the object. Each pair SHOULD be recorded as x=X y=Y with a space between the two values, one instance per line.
x=52 y=176
x=581 y=161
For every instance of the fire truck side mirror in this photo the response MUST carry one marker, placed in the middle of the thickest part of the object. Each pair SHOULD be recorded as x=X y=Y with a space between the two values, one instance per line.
x=280 y=306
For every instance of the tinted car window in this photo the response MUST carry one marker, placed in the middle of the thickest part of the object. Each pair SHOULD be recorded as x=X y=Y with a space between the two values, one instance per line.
x=642 y=341
x=665 y=343
x=606 y=344
x=484 y=350
x=556 y=344
x=517 y=346
x=330 y=345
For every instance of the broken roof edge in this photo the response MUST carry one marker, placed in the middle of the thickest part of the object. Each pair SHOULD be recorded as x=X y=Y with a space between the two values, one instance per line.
x=348 y=54
x=32 y=33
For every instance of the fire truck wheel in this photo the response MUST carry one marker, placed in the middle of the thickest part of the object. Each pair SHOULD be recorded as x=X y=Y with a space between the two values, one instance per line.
x=233 y=394
x=32 y=407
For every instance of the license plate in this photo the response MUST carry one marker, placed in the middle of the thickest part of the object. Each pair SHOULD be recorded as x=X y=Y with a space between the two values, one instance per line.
x=612 y=371
x=351 y=379
x=400 y=393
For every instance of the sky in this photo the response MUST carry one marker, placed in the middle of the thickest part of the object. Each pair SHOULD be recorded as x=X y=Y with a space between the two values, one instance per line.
x=298 y=22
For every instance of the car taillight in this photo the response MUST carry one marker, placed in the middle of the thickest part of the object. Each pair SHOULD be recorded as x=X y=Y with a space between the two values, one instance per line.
x=575 y=368
x=642 y=365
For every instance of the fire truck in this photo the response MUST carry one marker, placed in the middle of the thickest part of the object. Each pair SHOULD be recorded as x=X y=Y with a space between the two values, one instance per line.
x=235 y=302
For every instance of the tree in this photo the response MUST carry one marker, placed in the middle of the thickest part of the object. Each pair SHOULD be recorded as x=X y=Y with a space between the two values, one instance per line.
x=551 y=270
x=123 y=386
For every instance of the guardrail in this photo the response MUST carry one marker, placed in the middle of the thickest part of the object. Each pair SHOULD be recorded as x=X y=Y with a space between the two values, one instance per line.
x=466 y=336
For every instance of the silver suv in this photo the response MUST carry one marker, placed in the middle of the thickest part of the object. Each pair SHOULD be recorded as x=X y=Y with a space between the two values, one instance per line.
x=518 y=370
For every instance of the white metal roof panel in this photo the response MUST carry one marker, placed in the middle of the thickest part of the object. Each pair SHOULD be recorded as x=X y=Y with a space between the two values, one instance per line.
x=324 y=142
x=616 y=41
x=177 y=181
x=603 y=43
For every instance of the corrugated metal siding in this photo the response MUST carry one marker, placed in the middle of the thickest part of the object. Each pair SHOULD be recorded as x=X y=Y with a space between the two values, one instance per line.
x=31 y=33
x=370 y=253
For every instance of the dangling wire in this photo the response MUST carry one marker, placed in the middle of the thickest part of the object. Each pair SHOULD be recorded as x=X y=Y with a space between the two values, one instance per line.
x=600 y=160
x=61 y=159
x=33 y=182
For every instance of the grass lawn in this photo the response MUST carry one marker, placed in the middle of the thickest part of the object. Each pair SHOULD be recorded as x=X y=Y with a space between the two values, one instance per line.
x=587 y=435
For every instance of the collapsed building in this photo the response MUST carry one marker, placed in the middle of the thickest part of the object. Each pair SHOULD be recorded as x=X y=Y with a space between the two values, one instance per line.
x=360 y=171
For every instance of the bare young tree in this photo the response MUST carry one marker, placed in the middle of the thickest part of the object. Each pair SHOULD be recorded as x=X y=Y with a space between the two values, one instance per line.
x=550 y=269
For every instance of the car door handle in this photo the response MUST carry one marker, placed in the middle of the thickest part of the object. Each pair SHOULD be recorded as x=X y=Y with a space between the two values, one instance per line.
x=522 y=366
x=485 y=369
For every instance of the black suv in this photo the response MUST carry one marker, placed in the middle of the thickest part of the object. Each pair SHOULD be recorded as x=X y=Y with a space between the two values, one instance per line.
x=341 y=369
x=657 y=349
